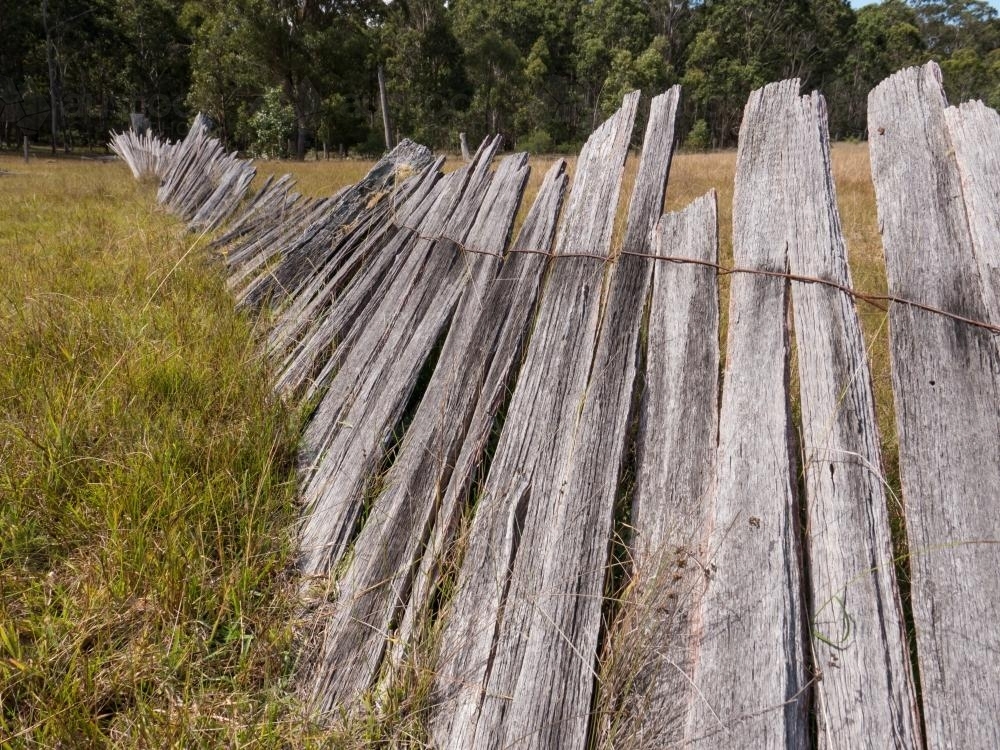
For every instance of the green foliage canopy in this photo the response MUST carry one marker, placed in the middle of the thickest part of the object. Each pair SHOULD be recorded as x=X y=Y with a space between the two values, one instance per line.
x=541 y=74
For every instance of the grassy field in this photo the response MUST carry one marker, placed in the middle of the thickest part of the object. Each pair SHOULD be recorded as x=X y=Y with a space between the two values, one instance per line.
x=146 y=474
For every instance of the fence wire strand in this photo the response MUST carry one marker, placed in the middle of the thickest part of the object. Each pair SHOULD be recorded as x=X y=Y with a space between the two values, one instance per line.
x=878 y=301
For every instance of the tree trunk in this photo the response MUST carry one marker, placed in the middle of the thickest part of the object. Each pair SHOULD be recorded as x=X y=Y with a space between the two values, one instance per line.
x=300 y=141
x=53 y=75
x=383 y=98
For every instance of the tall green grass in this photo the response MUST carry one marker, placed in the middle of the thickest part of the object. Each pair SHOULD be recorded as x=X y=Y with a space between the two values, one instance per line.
x=146 y=480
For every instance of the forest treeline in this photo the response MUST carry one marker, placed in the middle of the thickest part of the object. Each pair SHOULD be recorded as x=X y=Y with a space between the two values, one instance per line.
x=282 y=77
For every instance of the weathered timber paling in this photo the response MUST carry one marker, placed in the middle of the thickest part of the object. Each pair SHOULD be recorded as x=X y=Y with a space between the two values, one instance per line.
x=508 y=673
x=499 y=336
x=302 y=324
x=974 y=132
x=376 y=585
x=265 y=208
x=946 y=381
x=367 y=396
x=377 y=296
x=750 y=670
x=332 y=326
x=263 y=252
x=653 y=643
x=866 y=694
x=316 y=247
x=146 y=155
x=201 y=183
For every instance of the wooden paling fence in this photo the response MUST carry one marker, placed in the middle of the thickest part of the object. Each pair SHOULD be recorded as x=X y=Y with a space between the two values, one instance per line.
x=498 y=419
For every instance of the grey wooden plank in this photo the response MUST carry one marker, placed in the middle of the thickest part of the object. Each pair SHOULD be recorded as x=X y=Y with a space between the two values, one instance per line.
x=519 y=645
x=316 y=247
x=249 y=279
x=269 y=207
x=750 y=673
x=945 y=382
x=974 y=132
x=253 y=204
x=348 y=436
x=490 y=321
x=146 y=155
x=376 y=300
x=511 y=306
x=676 y=443
x=313 y=362
x=232 y=186
x=866 y=696
x=307 y=305
x=184 y=184
x=303 y=324
x=322 y=311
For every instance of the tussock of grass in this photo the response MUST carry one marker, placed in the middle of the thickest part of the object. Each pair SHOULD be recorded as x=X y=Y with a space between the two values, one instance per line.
x=146 y=477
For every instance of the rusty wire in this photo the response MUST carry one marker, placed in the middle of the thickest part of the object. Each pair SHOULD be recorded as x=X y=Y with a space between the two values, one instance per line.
x=878 y=301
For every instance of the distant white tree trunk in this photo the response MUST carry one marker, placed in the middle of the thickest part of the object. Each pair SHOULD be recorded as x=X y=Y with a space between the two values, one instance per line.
x=53 y=75
x=384 y=103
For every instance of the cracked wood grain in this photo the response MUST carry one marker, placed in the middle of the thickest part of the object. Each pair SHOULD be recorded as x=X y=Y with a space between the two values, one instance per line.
x=654 y=639
x=974 y=132
x=317 y=246
x=750 y=672
x=354 y=423
x=490 y=323
x=519 y=646
x=866 y=695
x=947 y=392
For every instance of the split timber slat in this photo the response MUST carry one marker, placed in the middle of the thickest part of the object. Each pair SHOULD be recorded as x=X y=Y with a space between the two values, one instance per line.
x=499 y=337
x=375 y=586
x=676 y=447
x=974 y=130
x=313 y=362
x=737 y=582
x=203 y=184
x=866 y=695
x=322 y=313
x=316 y=247
x=366 y=399
x=947 y=392
x=265 y=249
x=276 y=225
x=232 y=188
x=750 y=672
x=146 y=155
x=374 y=319
x=350 y=249
x=258 y=206
x=269 y=208
x=507 y=672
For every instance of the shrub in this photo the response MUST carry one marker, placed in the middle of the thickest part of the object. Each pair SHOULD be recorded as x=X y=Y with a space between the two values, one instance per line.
x=537 y=142
x=698 y=138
